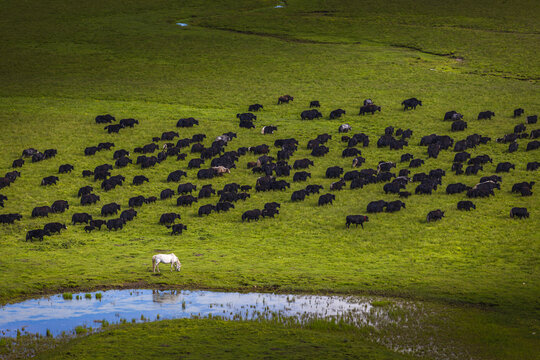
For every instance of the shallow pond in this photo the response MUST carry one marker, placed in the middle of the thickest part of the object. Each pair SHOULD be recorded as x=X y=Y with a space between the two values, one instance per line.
x=56 y=314
x=397 y=324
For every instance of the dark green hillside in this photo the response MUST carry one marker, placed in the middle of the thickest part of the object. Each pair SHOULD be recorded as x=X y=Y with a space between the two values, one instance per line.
x=63 y=63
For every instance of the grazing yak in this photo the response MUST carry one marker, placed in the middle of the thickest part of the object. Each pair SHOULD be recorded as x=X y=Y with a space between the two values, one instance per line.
x=187 y=122
x=186 y=188
x=177 y=229
x=313 y=189
x=59 y=206
x=81 y=218
x=251 y=215
x=269 y=212
x=9 y=218
x=49 y=180
x=486 y=115
x=91 y=150
x=224 y=206
x=104 y=119
x=269 y=129
x=356 y=220
x=113 y=128
x=453 y=116
x=115 y=224
x=456 y=188
x=136 y=201
x=302 y=164
x=54 y=227
x=358 y=161
x=255 y=107
x=314 y=103
x=299 y=195
x=533 y=166
x=351 y=152
x=301 y=176
x=168 y=218
x=337 y=113
x=17 y=163
x=344 y=128
x=105 y=146
x=127 y=215
x=518 y=212
x=326 y=199
x=504 y=167
x=533 y=145
x=206 y=192
x=41 y=211
x=524 y=188
x=416 y=163
x=411 y=103
x=435 y=215
x=89 y=199
x=206 y=209
x=338 y=185
x=220 y=170
x=123 y=162
x=370 y=108
x=376 y=206
x=459 y=125
x=310 y=114
x=110 y=209
x=36 y=234
x=518 y=112
x=176 y=175
x=406 y=157
x=394 y=206
x=186 y=200
x=140 y=179
x=465 y=205
x=66 y=168
x=334 y=172
x=98 y=223
x=285 y=99
x=246 y=116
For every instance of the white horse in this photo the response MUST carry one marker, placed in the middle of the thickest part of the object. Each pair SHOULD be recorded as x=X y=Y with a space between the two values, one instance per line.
x=167 y=259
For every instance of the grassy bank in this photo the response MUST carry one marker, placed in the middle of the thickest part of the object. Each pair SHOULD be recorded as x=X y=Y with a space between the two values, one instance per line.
x=65 y=63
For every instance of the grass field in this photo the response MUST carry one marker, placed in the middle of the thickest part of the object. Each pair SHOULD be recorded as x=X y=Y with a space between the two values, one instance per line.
x=64 y=63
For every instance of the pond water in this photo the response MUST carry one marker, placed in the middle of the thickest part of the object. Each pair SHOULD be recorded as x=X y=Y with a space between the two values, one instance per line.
x=56 y=314
x=181 y=24
x=401 y=325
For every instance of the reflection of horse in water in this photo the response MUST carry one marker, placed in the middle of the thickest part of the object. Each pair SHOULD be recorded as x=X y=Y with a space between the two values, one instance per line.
x=169 y=297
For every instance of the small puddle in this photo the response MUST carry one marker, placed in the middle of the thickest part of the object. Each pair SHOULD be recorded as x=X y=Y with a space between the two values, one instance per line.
x=182 y=24
x=56 y=316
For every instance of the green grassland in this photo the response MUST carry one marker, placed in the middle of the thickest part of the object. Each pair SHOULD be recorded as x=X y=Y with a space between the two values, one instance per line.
x=64 y=63
x=194 y=339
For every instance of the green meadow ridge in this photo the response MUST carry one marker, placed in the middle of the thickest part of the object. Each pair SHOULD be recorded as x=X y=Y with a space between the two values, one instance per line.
x=63 y=64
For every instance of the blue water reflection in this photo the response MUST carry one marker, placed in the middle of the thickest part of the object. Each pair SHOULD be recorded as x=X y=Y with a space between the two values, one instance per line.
x=58 y=315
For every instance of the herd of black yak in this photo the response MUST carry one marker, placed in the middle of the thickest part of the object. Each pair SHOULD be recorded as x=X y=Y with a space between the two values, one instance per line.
x=269 y=169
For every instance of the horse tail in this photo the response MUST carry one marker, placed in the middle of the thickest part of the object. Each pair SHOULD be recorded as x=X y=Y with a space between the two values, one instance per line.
x=154 y=263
